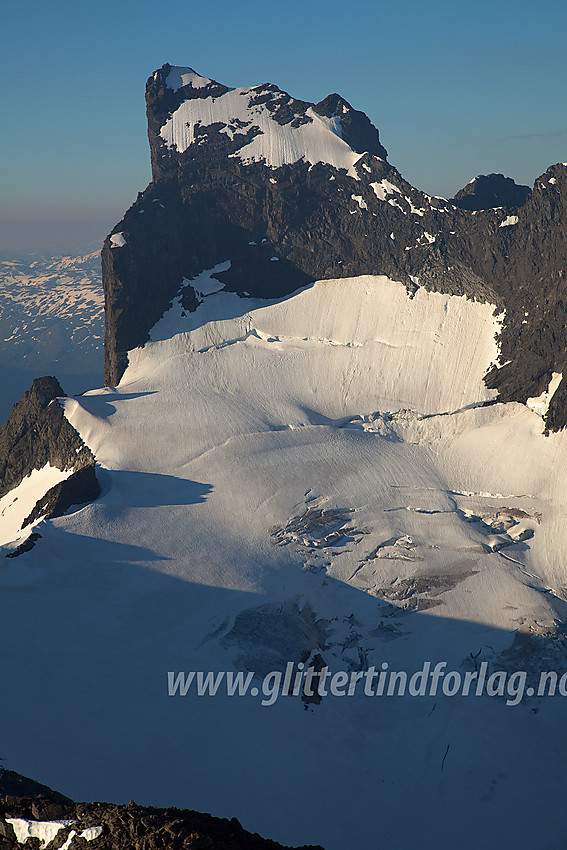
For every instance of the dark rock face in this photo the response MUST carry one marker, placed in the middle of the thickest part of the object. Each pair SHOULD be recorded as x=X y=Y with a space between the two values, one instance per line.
x=526 y=264
x=491 y=190
x=79 y=488
x=130 y=827
x=26 y=546
x=38 y=796
x=356 y=128
x=206 y=205
x=38 y=433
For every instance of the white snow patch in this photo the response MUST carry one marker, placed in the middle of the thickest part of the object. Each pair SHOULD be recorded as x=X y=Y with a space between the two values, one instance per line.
x=384 y=188
x=88 y=834
x=394 y=203
x=360 y=201
x=509 y=221
x=414 y=210
x=319 y=140
x=91 y=833
x=117 y=240
x=540 y=404
x=552 y=181
x=46 y=831
x=180 y=76
x=68 y=840
x=205 y=283
x=18 y=504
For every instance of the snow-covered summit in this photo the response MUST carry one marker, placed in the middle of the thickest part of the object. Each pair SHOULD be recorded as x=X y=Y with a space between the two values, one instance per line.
x=240 y=112
x=180 y=76
x=263 y=123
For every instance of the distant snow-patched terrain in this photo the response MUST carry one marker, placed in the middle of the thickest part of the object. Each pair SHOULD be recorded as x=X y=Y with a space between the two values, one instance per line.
x=51 y=321
x=321 y=476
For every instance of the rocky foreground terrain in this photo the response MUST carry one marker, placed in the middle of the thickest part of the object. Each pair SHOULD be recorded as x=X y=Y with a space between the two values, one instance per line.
x=34 y=816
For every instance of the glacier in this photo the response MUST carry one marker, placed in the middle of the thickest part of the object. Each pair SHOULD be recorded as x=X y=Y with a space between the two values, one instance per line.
x=230 y=422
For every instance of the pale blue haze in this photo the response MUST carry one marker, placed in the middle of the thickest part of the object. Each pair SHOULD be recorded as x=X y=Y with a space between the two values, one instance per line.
x=455 y=88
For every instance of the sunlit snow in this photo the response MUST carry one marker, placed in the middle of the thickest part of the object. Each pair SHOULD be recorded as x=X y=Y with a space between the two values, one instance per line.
x=45 y=831
x=541 y=403
x=18 y=504
x=179 y=77
x=229 y=426
x=318 y=140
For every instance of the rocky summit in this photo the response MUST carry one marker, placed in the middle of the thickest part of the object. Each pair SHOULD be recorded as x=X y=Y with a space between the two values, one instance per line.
x=489 y=191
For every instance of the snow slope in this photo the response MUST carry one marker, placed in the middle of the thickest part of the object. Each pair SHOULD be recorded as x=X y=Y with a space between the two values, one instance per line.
x=318 y=139
x=18 y=504
x=229 y=436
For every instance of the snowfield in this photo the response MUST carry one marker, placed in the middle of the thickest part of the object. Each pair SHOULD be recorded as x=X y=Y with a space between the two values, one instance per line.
x=325 y=474
x=319 y=139
x=18 y=504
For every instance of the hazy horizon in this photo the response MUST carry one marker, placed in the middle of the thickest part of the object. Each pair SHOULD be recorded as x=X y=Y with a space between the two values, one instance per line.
x=455 y=91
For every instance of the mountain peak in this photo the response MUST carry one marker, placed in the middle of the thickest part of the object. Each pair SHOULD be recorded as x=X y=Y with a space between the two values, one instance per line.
x=488 y=191
x=276 y=193
x=180 y=76
x=253 y=124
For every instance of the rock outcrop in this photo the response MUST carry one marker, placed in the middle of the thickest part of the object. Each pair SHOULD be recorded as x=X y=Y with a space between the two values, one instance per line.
x=32 y=808
x=488 y=191
x=36 y=434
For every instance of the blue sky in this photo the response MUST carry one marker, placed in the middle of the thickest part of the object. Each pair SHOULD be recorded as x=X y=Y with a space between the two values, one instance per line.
x=455 y=88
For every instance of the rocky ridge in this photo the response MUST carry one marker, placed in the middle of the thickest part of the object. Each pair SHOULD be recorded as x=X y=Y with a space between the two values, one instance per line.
x=30 y=809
